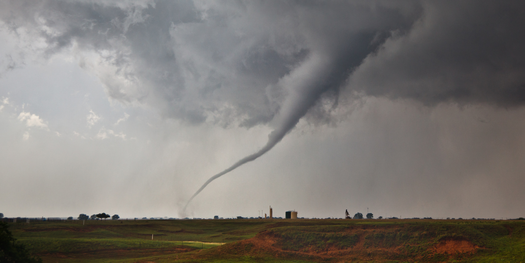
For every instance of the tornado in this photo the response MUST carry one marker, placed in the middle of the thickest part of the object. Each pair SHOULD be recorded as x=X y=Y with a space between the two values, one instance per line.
x=304 y=85
x=274 y=138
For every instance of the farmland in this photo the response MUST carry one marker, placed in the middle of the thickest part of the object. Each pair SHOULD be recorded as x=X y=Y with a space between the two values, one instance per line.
x=302 y=240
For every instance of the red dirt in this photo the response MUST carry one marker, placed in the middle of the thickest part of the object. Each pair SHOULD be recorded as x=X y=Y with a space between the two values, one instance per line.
x=265 y=243
x=454 y=247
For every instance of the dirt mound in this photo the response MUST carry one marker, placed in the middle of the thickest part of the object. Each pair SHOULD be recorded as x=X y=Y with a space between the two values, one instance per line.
x=455 y=247
x=356 y=243
x=268 y=244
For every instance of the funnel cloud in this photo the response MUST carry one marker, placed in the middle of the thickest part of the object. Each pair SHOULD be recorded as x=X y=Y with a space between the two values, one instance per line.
x=307 y=82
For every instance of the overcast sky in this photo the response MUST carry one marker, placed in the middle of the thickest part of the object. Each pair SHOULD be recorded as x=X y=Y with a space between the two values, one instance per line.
x=404 y=108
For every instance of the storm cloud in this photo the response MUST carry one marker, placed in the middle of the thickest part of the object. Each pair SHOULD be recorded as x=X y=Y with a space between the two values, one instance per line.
x=468 y=52
x=271 y=67
x=218 y=62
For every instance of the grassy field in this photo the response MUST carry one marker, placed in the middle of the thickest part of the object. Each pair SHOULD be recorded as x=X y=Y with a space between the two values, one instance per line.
x=275 y=240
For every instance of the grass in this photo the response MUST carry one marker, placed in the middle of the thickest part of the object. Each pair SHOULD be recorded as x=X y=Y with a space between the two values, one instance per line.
x=317 y=238
x=293 y=240
x=115 y=240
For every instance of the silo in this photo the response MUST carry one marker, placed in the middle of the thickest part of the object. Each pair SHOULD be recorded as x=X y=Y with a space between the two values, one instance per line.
x=294 y=214
x=271 y=212
x=288 y=214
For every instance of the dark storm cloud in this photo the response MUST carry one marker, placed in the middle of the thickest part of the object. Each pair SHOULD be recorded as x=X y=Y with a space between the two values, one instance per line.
x=222 y=62
x=465 y=52
x=218 y=62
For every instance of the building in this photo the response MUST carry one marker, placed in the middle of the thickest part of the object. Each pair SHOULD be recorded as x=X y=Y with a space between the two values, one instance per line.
x=288 y=215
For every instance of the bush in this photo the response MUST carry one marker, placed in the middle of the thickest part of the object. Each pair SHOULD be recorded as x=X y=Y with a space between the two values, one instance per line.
x=10 y=250
x=83 y=217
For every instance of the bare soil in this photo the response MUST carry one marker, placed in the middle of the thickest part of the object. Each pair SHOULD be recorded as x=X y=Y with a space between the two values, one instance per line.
x=266 y=243
x=453 y=247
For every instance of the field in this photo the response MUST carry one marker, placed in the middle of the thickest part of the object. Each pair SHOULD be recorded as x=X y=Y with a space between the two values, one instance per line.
x=262 y=240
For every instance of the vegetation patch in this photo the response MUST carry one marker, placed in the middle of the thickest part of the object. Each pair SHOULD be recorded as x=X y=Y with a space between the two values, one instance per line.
x=275 y=240
x=313 y=238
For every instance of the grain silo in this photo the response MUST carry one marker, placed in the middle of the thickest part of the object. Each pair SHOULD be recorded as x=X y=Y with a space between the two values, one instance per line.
x=294 y=214
x=291 y=215
x=271 y=212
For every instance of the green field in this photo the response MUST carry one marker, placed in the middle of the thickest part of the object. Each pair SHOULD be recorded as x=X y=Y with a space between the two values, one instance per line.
x=260 y=240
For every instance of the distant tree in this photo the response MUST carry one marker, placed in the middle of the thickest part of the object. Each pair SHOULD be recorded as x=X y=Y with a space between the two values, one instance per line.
x=115 y=217
x=358 y=216
x=380 y=217
x=369 y=216
x=93 y=216
x=1 y=215
x=12 y=251
x=83 y=217
x=103 y=215
x=70 y=218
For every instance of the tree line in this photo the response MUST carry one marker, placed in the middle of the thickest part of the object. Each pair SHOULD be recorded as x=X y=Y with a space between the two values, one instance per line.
x=358 y=215
x=97 y=216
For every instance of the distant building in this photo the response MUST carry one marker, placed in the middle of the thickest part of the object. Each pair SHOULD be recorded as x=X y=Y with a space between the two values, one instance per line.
x=294 y=214
x=291 y=215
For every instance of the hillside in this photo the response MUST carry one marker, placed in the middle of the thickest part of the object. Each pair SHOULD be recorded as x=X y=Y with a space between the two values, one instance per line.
x=275 y=240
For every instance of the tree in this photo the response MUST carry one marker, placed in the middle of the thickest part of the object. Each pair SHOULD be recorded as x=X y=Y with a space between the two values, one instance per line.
x=103 y=215
x=70 y=218
x=93 y=217
x=369 y=216
x=12 y=251
x=83 y=217
x=115 y=217
x=358 y=216
x=1 y=215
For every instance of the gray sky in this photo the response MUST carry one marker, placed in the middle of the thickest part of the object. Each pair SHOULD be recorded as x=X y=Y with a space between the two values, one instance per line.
x=409 y=108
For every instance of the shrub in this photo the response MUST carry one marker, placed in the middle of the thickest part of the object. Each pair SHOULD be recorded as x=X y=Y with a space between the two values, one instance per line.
x=12 y=251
